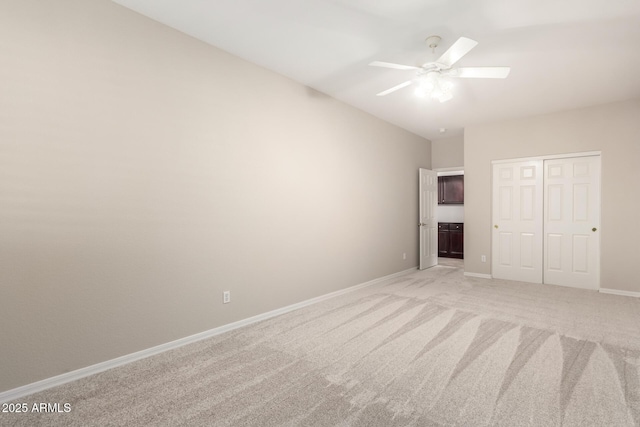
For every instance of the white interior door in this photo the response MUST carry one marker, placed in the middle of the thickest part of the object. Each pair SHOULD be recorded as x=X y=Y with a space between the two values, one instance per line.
x=572 y=222
x=428 y=222
x=517 y=221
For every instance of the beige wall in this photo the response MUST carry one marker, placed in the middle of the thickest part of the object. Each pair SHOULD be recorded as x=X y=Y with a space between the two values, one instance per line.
x=144 y=172
x=613 y=129
x=447 y=152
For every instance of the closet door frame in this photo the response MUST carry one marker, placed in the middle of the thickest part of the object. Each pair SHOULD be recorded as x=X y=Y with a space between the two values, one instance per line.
x=535 y=159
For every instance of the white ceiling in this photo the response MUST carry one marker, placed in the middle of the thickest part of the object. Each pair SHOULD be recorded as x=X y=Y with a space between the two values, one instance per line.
x=563 y=54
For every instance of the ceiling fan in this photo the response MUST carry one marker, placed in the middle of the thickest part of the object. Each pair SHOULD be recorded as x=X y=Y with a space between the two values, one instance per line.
x=431 y=76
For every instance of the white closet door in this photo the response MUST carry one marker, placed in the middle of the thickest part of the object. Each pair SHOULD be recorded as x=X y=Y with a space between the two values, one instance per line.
x=572 y=222
x=517 y=221
x=428 y=222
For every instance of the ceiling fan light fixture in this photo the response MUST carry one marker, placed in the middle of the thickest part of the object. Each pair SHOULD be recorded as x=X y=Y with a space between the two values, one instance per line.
x=445 y=85
x=426 y=84
x=434 y=85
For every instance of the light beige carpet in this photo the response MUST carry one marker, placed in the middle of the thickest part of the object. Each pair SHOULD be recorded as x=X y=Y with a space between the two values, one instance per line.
x=432 y=348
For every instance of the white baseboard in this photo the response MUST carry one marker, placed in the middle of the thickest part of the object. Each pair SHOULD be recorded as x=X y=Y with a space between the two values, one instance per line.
x=480 y=275
x=617 y=292
x=38 y=386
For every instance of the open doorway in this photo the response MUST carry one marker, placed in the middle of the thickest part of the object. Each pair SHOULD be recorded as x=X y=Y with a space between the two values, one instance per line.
x=450 y=214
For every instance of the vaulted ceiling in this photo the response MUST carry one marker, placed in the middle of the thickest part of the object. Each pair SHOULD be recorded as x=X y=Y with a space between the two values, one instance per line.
x=563 y=54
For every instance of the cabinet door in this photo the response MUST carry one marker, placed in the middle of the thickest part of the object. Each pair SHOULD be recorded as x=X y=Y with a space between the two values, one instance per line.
x=440 y=190
x=443 y=240
x=456 y=241
x=452 y=189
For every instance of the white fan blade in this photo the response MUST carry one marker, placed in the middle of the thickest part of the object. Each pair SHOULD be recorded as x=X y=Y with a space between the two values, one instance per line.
x=481 y=72
x=393 y=89
x=459 y=49
x=395 y=66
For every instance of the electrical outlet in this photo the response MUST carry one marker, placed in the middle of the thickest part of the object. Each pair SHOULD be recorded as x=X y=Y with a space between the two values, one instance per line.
x=483 y=258
x=404 y=256
x=226 y=297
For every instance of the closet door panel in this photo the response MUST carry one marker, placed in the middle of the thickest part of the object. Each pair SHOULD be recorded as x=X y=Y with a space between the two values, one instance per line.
x=572 y=222
x=517 y=221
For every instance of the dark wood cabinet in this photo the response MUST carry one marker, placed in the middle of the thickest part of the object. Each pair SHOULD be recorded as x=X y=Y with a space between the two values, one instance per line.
x=451 y=190
x=456 y=241
x=451 y=240
x=443 y=239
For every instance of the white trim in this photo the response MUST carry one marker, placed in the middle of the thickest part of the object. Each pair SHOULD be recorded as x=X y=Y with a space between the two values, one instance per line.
x=457 y=169
x=548 y=157
x=47 y=383
x=618 y=292
x=453 y=172
x=480 y=275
